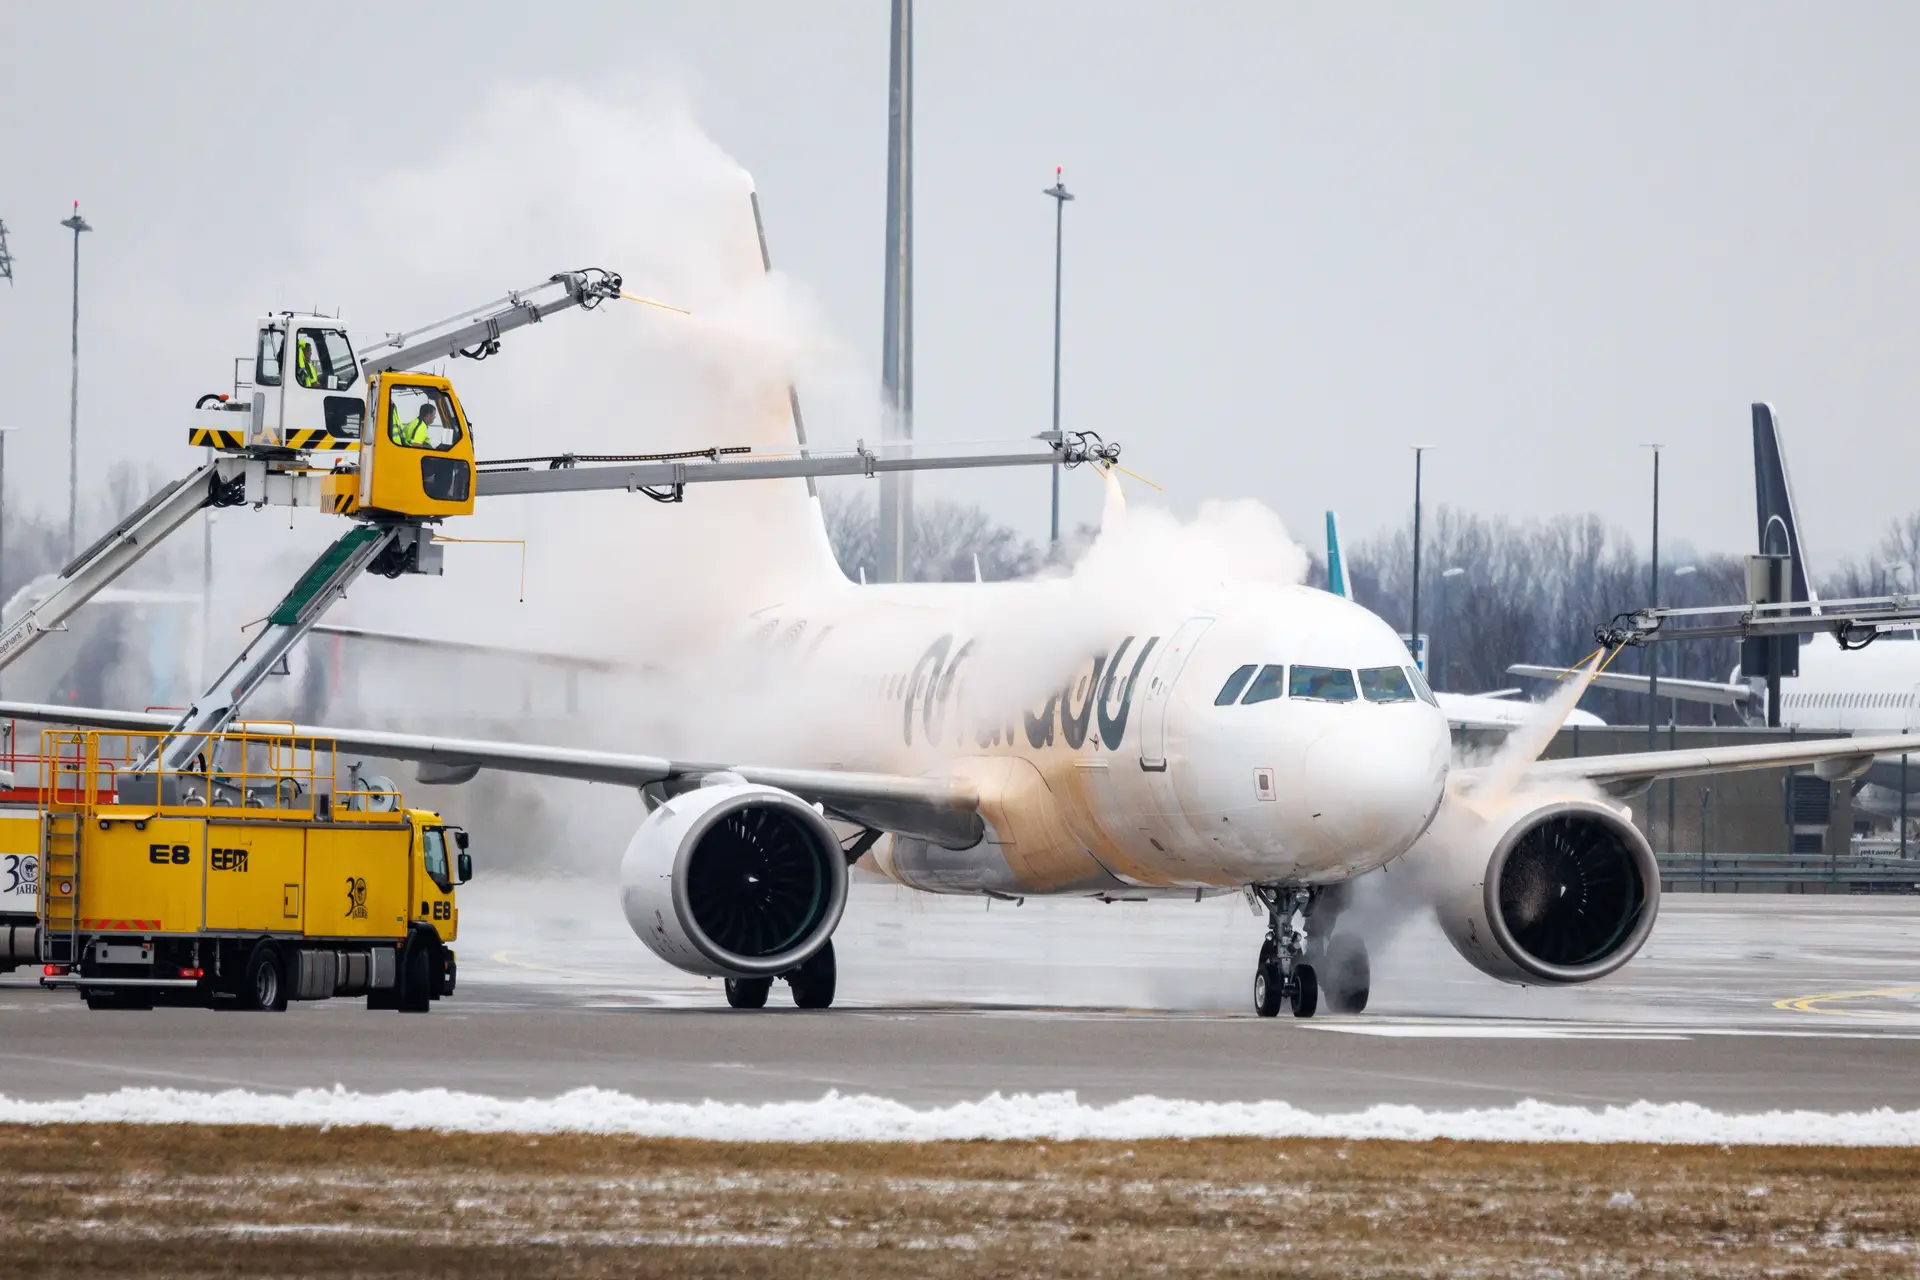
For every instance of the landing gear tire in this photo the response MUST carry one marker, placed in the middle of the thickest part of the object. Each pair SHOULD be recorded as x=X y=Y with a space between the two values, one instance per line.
x=1346 y=975
x=1305 y=992
x=813 y=982
x=748 y=993
x=1268 y=984
x=264 y=986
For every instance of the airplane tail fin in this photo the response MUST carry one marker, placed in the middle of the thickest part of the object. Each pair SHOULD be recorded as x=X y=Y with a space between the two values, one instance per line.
x=1336 y=566
x=1779 y=530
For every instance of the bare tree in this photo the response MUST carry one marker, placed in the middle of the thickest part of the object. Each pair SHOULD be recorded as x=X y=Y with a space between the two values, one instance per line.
x=947 y=537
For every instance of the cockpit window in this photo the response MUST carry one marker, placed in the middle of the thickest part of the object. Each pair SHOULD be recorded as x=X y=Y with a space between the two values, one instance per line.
x=1420 y=687
x=1328 y=684
x=1230 y=691
x=1266 y=686
x=1386 y=684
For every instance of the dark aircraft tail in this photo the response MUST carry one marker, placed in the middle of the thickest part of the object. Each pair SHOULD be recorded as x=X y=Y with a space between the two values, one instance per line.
x=1773 y=499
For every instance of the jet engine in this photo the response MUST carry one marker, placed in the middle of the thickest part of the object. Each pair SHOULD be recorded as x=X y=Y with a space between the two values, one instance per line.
x=1549 y=892
x=734 y=881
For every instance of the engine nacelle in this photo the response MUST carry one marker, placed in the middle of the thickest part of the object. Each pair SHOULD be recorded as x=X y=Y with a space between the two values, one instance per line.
x=1549 y=892
x=734 y=881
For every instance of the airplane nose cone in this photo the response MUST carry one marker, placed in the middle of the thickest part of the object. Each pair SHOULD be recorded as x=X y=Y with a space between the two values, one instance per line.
x=1371 y=786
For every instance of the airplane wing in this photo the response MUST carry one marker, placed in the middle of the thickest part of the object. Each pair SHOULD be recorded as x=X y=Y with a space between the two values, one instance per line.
x=404 y=640
x=936 y=809
x=1631 y=772
x=1713 y=691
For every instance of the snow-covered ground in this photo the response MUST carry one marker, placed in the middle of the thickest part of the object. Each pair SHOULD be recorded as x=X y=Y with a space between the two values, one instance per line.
x=1055 y=1116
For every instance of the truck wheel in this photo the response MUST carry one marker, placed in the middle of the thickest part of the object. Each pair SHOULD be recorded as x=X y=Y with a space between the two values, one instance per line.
x=416 y=980
x=446 y=972
x=265 y=984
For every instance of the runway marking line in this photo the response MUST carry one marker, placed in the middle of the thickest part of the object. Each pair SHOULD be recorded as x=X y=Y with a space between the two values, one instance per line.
x=1809 y=1004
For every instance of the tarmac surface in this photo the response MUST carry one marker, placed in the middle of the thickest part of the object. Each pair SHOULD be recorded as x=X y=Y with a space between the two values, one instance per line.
x=1738 y=1003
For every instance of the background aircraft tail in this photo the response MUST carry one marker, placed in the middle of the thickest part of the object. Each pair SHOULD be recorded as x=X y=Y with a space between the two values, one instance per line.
x=1779 y=530
x=1336 y=566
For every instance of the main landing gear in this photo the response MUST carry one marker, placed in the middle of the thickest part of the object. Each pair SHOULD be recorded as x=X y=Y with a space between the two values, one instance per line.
x=812 y=984
x=1298 y=972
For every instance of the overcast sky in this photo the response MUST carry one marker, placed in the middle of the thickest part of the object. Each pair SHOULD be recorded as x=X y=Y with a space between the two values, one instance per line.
x=1306 y=237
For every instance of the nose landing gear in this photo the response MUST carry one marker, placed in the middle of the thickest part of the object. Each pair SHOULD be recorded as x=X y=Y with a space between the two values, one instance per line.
x=1283 y=974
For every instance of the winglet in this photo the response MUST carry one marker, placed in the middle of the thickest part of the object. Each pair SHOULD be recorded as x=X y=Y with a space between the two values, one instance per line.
x=1336 y=567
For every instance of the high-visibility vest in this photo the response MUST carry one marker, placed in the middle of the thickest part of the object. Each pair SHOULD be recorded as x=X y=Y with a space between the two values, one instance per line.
x=303 y=365
x=411 y=432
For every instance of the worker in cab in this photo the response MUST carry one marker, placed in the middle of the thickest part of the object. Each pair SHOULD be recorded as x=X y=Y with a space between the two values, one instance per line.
x=306 y=362
x=415 y=433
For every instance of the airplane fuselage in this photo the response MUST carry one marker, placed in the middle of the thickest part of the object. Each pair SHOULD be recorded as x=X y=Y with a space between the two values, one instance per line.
x=1281 y=738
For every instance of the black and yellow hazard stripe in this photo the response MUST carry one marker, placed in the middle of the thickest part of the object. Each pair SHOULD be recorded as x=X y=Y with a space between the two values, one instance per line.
x=342 y=503
x=216 y=438
x=321 y=439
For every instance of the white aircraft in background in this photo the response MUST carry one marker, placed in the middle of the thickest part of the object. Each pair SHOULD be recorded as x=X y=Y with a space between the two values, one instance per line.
x=1276 y=742
x=1494 y=709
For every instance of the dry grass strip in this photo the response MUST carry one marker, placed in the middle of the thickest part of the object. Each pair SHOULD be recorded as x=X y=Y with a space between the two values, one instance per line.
x=201 y=1201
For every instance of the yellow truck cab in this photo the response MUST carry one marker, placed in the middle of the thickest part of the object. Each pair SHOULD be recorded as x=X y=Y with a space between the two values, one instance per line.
x=255 y=876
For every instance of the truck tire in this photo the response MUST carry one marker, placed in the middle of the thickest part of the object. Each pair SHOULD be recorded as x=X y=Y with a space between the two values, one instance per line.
x=416 y=978
x=265 y=985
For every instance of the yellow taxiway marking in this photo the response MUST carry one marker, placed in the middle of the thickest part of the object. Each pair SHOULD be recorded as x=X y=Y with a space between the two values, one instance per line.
x=1811 y=1004
x=506 y=958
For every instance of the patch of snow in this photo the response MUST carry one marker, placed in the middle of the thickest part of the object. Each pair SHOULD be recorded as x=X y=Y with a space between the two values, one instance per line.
x=1621 y=1200
x=838 y=1117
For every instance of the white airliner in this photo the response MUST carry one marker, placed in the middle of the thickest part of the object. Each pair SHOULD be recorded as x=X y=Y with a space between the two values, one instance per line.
x=1273 y=741
x=1496 y=709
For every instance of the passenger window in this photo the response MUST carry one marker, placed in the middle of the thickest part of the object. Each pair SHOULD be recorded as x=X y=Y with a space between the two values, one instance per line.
x=1386 y=684
x=1420 y=687
x=420 y=418
x=1327 y=684
x=266 y=365
x=433 y=853
x=323 y=358
x=1230 y=691
x=1266 y=686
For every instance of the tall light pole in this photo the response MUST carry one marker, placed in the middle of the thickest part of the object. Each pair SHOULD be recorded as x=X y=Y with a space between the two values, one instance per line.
x=1413 y=628
x=77 y=224
x=896 y=342
x=1060 y=195
x=1653 y=650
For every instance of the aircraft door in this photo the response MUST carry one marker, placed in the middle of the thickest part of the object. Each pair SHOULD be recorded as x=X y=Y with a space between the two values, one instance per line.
x=1913 y=710
x=1158 y=694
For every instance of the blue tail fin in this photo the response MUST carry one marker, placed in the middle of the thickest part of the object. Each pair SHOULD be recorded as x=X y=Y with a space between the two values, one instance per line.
x=1336 y=567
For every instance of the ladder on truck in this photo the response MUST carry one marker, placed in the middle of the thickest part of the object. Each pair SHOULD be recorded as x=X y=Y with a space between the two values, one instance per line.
x=67 y=773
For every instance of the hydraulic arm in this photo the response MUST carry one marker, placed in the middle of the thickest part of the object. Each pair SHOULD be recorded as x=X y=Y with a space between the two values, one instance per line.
x=218 y=483
x=475 y=333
